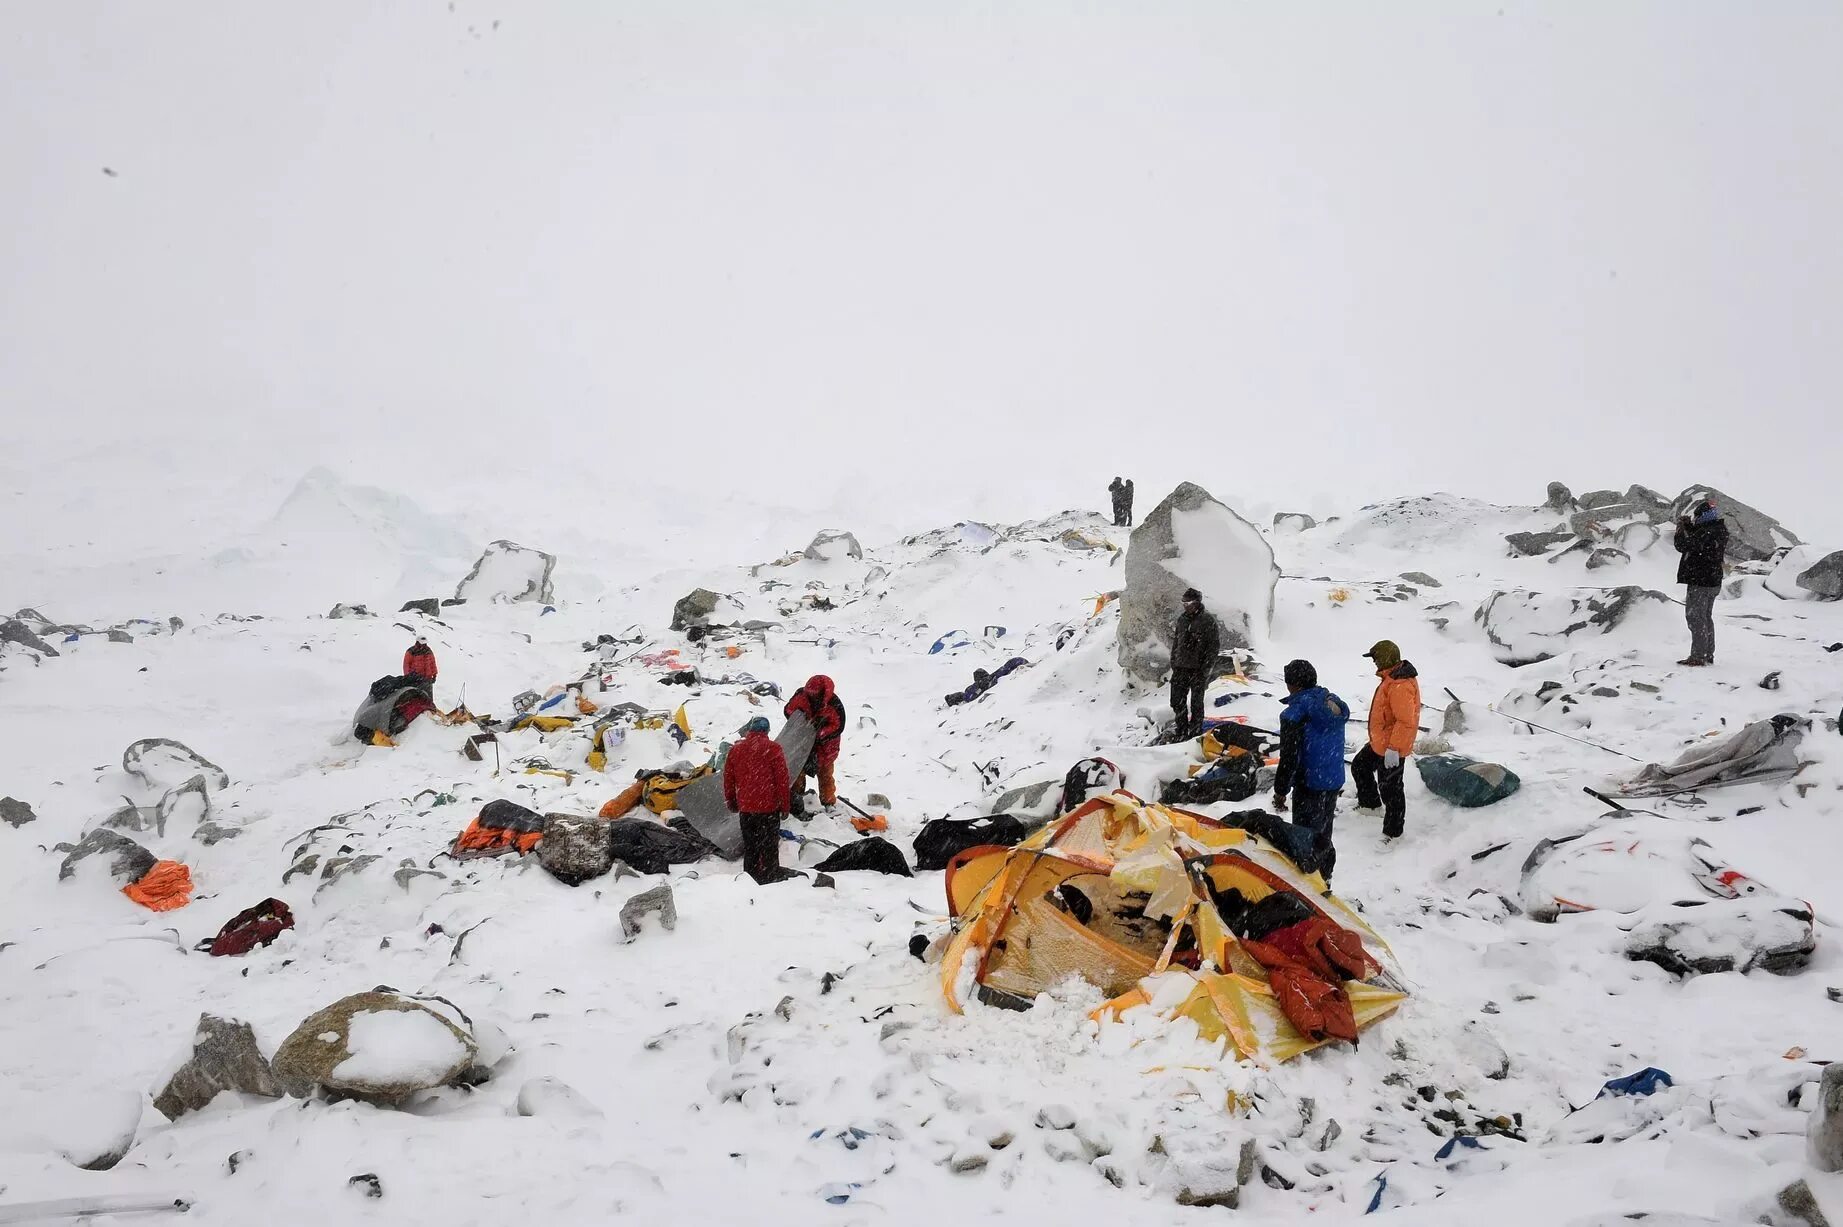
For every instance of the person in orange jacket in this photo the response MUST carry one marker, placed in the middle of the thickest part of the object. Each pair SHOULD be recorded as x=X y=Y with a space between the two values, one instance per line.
x=1394 y=719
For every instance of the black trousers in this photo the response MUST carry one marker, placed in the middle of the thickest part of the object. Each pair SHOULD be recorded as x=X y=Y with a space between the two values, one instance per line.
x=761 y=846
x=1699 y=611
x=1315 y=810
x=1378 y=785
x=1187 y=687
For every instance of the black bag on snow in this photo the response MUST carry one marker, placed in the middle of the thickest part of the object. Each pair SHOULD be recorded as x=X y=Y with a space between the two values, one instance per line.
x=945 y=838
x=647 y=846
x=1227 y=779
x=868 y=853
x=1294 y=842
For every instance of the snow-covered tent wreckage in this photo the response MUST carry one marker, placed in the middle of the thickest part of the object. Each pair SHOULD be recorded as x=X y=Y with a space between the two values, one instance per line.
x=1764 y=752
x=1164 y=908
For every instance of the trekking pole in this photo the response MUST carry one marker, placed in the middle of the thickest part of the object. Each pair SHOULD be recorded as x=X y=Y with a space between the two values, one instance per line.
x=1566 y=736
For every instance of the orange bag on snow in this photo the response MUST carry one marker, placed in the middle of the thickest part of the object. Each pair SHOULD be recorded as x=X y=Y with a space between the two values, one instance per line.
x=166 y=886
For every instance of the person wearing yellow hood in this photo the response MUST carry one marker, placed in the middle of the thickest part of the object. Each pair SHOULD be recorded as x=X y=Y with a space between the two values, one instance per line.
x=1394 y=719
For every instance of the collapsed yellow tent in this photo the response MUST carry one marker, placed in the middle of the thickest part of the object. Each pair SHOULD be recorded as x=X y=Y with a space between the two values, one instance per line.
x=1152 y=933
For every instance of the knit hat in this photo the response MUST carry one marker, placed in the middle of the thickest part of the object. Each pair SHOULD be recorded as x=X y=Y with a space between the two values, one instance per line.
x=1385 y=654
x=1191 y=594
x=758 y=725
x=1301 y=674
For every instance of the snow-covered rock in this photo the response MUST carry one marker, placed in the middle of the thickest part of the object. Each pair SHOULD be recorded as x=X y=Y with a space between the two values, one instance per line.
x=508 y=571
x=379 y=1046
x=1753 y=536
x=224 y=1058
x=126 y=860
x=554 y=1097
x=1826 y=1130
x=1824 y=578
x=575 y=848
x=1525 y=627
x=90 y=1130
x=1293 y=522
x=833 y=543
x=15 y=812
x=1192 y=540
x=657 y=901
x=163 y=764
x=694 y=608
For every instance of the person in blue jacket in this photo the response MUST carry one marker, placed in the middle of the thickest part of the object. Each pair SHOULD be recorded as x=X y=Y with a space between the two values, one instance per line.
x=1311 y=758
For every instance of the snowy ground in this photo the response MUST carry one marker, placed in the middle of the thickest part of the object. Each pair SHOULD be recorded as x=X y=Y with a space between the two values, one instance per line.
x=729 y=1062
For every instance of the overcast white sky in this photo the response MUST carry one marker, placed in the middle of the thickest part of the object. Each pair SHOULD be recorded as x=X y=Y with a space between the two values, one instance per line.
x=951 y=258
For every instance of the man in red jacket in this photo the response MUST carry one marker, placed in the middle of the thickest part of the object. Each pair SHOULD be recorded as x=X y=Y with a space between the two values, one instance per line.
x=755 y=786
x=818 y=702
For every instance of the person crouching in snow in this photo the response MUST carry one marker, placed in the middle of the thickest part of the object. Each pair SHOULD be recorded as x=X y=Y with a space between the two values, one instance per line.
x=755 y=787
x=1394 y=719
x=1702 y=539
x=419 y=661
x=818 y=702
x=1311 y=758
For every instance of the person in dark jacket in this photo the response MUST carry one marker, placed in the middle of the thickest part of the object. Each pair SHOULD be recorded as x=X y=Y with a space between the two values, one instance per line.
x=818 y=702
x=1311 y=758
x=1121 y=492
x=1702 y=539
x=1381 y=766
x=756 y=787
x=1196 y=641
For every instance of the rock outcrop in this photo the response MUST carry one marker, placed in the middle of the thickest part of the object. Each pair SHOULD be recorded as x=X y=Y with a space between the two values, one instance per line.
x=381 y=1047
x=508 y=571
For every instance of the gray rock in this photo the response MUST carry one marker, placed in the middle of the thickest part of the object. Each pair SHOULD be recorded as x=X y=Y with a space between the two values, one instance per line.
x=337 y=867
x=1645 y=496
x=190 y=802
x=1294 y=521
x=1032 y=800
x=1797 y=1200
x=1753 y=536
x=1595 y=499
x=1227 y=559
x=310 y=1057
x=408 y=871
x=1534 y=545
x=1825 y=1133
x=224 y=1058
x=1526 y=627
x=14 y=631
x=1824 y=578
x=827 y=543
x=1422 y=578
x=1636 y=538
x=118 y=635
x=94 y=1132
x=575 y=848
x=343 y=610
x=428 y=606
x=512 y=571
x=129 y=861
x=694 y=608
x=1560 y=498
x=15 y=812
x=161 y=762
x=1453 y=723
x=657 y=900
x=1607 y=557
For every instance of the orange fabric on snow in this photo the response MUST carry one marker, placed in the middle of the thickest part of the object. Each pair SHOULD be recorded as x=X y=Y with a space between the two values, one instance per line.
x=166 y=886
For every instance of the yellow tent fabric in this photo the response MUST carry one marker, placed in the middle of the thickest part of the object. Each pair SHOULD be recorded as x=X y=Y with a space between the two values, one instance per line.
x=1146 y=873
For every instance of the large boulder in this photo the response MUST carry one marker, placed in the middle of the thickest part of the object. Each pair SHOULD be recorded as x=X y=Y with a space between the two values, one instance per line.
x=1560 y=498
x=224 y=1058
x=1826 y=1129
x=508 y=571
x=694 y=609
x=15 y=812
x=1293 y=522
x=1193 y=540
x=1824 y=578
x=1782 y=580
x=381 y=1047
x=1534 y=545
x=1525 y=627
x=128 y=861
x=575 y=848
x=12 y=630
x=833 y=543
x=1753 y=536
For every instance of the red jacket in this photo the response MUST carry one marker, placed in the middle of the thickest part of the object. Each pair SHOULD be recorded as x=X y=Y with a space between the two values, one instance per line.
x=419 y=662
x=755 y=777
x=818 y=702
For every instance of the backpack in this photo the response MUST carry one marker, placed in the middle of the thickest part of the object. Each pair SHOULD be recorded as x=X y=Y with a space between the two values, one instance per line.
x=250 y=928
x=945 y=838
x=1230 y=778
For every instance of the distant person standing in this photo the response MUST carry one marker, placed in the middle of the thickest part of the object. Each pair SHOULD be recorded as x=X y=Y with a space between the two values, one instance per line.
x=756 y=788
x=1394 y=719
x=1196 y=641
x=1311 y=758
x=1702 y=539
x=1122 y=494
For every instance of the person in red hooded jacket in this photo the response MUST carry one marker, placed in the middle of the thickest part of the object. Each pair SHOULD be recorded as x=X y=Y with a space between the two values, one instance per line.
x=818 y=702
x=756 y=787
x=419 y=662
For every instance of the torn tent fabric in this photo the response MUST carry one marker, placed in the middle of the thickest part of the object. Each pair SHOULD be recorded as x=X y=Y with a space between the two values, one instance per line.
x=871 y=853
x=168 y=885
x=250 y=928
x=942 y=839
x=1465 y=782
x=1766 y=750
x=502 y=827
x=1130 y=897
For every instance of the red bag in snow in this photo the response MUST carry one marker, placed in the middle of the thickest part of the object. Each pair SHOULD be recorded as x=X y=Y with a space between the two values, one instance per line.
x=252 y=927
